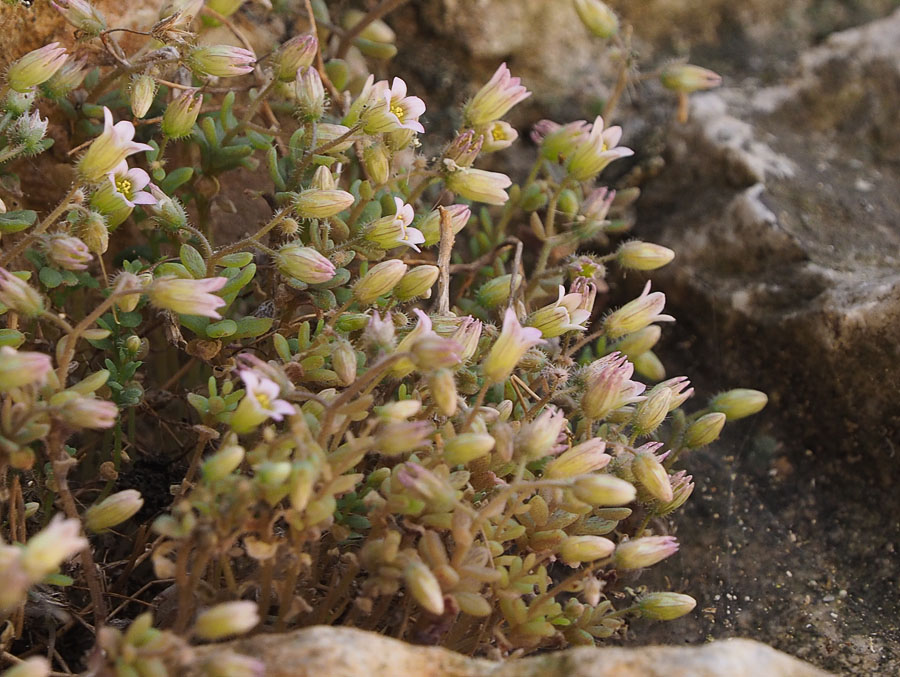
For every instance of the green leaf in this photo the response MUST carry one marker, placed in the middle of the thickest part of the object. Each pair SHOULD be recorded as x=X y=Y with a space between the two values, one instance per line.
x=11 y=337
x=193 y=261
x=251 y=327
x=274 y=170
x=238 y=260
x=221 y=329
x=234 y=285
x=175 y=179
x=13 y=222
x=59 y=579
x=195 y=323
x=130 y=320
x=50 y=277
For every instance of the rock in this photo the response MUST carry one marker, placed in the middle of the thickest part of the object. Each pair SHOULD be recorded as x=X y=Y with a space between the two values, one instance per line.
x=347 y=652
x=790 y=234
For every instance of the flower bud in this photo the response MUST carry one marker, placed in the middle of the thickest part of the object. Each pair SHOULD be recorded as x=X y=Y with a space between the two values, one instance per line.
x=377 y=160
x=94 y=233
x=639 y=342
x=401 y=437
x=430 y=226
x=538 y=438
x=603 y=490
x=442 y=387
x=68 y=252
x=579 y=460
x=597 y=17
x=380 y=331
x=50 y=547
x=735 y=404
x=310 y=94
x=82 y=15
x=666 y=606
x=430 y=352
x=188 y=297
x=18 y=295
x=682 y=488
x=424 y=587
x=141 y=94
x=298 y=52
x=29 y=131
x=651 y=412
x=686 y=78
x=89 y=412
x=320 y=204
x=577 y=549
x=417 y=282
x=229 y=618
x=495 y=99
x=222 y=463
x=376 y=31
x=181 y=114
x=113 y=510
x=304 y=263
x=704 y=430
x=21 y=368
x=36 y=67
x=225 y=7
x=467 y=447
x=653 y=476
x=68 y=78
x=231 y=664
x=495 y=292
x=639 y=553
x=168 y=212
x=637 y=255
x=380 y=279
x=343 y=359
x=480 y=185
x=222 y=61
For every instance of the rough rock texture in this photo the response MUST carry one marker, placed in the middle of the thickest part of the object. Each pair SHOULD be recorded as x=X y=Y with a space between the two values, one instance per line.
x=792 y=234
x=345 y=652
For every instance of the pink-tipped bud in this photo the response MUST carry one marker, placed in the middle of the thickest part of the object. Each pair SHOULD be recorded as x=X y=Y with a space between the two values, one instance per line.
x=18 y=295
x=637 y=314
x=581 y=459
x=578 y=549
x=36 y=67
x=304 y=263
x=68 y=252
x=298 y=52
x=21 y=368
x=81 y=14
x=704 y=430
x=686 y=78
x=480 y=185
x=653 y=476
x=636 y=255
x=222 y=61
x=495 y=99
x=640 y=553
x=228 y=618
x=320 y=204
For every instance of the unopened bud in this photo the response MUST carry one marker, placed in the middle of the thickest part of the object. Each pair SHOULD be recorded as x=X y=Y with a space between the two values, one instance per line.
x=577 y=549
x=640 y=553
x=320 y=204
x=377 y=160
x=380 y=279
x=666 y=606
x=231 y=664
x=651 y=412
x=597 y=17
x=467 y=447
x=222 y=463
x=430 y=226
x=636 y=255
x=738 y=403
x=495 y=292
x=18 y=295
x=143 y=90
x=304 y=263
x=417 y=282
x=704 y=430
x=686 y=78
x=639 y=342
x=296 y=53
x=113 y=510
x=653 y=476
x=68 y=252
x=581 y=459
x=229 y=618
x=376 y=31
x=310 y=94
x=343 y=359
x=181 y=114
x=36 y=67
x=442 y=386
x=604 y=490
x=424 y=587
x=82 y=15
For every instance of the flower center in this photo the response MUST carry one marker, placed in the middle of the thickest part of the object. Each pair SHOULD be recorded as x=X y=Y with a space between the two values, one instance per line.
x=264 y=401
x=497 y=133
x=124 y=186
x=397 y=110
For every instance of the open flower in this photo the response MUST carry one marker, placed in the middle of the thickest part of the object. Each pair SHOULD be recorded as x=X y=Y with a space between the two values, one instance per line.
x=637 y=314
x=508 y=349
x=608 y=386
x=130 y=184
x=188 y=297
x=259 y=404
x=599 y=149
x=494 y=100
x=107 y=152
x=565 y=314
x=390 y=109
x=394 y=230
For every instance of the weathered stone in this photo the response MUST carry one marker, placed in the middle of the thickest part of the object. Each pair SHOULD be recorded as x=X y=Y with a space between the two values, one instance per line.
x=791 y=235
x=347 y=652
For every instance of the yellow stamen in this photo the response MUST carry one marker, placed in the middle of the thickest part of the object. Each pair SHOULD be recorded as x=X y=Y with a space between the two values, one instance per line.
x=263 y=400
x=124 y=186
x=397 y=110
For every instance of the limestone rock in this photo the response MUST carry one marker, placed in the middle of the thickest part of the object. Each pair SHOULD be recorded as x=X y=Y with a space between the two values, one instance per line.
x=791 y=233
x=347 y=652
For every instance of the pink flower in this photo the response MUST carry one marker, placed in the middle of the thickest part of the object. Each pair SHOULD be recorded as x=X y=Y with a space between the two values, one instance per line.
x=394 y=230
x=390 y=109
x=130 y=184
x=89 y=412
x=107 y=152
x=259 y=404
x=36 y=67
x=608 y=387
x=23 y=368
x=222 y=61
x=188 y=297
x=68 y=252
x=495 y=99
x=637 y=314
x=594 y=154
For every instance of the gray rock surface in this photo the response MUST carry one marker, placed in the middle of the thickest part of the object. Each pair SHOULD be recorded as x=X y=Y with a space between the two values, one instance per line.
x=346 y=652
